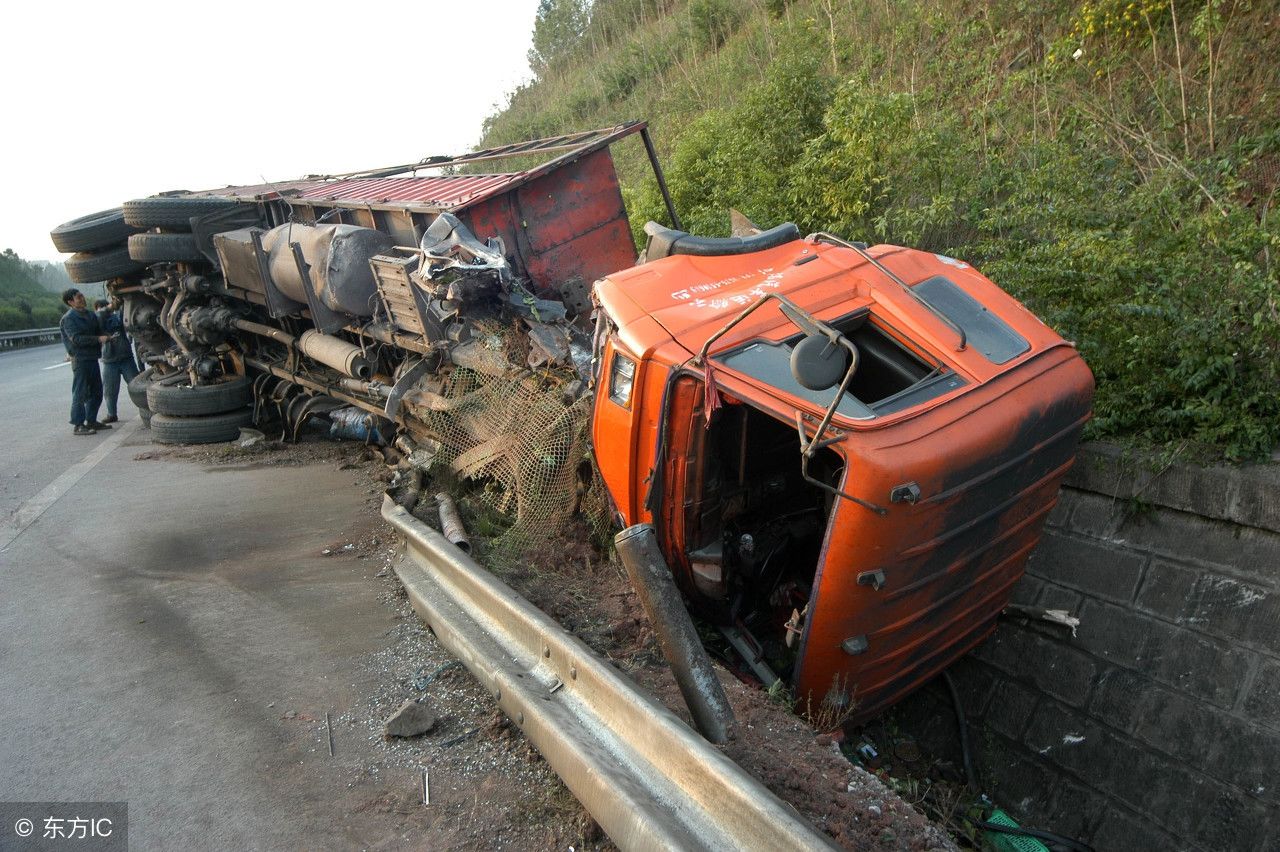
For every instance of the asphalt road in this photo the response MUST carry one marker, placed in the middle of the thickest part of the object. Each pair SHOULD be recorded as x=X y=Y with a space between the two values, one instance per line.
x=35 y=387
x=159 y=618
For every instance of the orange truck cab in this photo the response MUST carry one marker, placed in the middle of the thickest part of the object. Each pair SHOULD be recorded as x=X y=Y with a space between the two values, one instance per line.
x=847 y=453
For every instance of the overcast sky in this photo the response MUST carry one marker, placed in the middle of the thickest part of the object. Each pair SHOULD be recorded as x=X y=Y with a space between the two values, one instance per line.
x=105 y=102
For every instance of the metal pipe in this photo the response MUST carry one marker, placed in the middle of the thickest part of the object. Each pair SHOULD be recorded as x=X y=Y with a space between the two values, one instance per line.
x=258 y=328
x=334 y=352
x=383 y=333
x=451 y=523
x=892 y=276
x=410 y=492
x=361 y=386
x=651 y=577
x=662 y=181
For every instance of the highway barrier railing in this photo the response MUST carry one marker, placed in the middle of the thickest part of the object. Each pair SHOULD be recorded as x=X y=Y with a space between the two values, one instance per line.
x=29 y=337
x=642 y=773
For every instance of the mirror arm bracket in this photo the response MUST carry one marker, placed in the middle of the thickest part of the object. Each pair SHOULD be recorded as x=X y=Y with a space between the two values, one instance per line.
x=809 y=447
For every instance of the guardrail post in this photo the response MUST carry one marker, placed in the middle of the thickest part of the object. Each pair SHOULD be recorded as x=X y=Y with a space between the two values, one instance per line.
x=651 y=576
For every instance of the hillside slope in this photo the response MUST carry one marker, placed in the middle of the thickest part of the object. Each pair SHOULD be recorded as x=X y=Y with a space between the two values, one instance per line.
x=1113 y=164
x=27 y=297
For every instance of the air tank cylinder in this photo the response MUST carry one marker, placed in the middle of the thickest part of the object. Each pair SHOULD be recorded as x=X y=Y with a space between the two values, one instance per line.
x=337 y=257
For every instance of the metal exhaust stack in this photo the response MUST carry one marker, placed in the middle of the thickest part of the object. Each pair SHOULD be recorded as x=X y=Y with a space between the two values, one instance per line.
x=651 y=576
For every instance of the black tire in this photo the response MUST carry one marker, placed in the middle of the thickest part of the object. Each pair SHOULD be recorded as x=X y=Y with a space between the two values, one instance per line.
x=138 y=388
x=95 y=231
x=175 y=213
x=91 y=267
x=211 y=429
x=184 y=400
x=164 y=248
x=144 y=414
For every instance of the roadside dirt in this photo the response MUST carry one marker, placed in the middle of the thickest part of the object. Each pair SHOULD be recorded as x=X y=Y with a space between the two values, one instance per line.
x=488 y=788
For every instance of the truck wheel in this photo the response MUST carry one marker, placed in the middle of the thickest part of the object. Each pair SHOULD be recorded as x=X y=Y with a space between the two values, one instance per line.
x=90 y=267
x=138 y=388
x=162 y=248
x=95 y=231
x=175 y=213
x=210 y=429
x=184 y=400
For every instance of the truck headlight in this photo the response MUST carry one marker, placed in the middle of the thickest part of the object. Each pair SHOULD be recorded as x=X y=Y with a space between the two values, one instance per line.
x=621 y=379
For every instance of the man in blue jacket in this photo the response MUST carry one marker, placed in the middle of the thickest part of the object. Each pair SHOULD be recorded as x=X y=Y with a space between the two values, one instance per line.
x=117 y=355
x=83 y=338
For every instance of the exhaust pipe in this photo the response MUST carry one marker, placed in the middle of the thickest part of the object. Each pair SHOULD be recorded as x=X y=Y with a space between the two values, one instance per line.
x=266 y=331
x=334 y=352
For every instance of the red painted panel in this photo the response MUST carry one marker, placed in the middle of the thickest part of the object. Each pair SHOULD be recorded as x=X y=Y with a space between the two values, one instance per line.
x=571 y=201
x=568 y=224
x=590 y=256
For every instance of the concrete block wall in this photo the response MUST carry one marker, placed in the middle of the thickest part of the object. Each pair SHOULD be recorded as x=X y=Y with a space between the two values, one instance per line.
x=1157 y=726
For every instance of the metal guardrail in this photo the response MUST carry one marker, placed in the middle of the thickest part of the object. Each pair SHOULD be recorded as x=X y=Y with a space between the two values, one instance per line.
x=29 y=337
x=645 y=776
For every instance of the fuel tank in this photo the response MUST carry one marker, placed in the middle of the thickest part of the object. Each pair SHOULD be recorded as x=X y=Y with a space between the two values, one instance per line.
x=338 y=257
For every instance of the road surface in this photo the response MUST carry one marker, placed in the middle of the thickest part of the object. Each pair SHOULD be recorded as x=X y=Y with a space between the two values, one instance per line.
x=183 y=660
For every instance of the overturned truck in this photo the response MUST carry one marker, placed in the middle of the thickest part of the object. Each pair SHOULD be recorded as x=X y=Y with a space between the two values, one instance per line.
x=847 y=452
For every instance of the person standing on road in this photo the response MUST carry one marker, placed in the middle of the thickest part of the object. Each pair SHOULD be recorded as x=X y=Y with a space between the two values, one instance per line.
x=117 y=355
x=83 y=338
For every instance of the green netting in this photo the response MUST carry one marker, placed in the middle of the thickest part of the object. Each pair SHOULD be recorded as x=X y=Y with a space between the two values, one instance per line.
x=1000 y=842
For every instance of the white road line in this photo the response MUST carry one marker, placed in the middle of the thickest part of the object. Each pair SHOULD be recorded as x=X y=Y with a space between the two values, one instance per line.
x=56 y=366
x=29 y=511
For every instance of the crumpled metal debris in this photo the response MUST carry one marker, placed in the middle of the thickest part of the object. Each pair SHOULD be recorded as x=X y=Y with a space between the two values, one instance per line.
x=449 y=245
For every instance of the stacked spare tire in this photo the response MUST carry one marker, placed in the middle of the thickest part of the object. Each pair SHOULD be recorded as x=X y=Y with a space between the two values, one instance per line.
x=182 y=413
x=164 y=225
x=100 y=245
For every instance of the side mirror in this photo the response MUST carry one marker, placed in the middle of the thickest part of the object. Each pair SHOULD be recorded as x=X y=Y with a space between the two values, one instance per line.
x=818 y=363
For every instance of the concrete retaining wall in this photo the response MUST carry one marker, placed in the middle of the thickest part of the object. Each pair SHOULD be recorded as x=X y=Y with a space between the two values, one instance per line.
x=1158 y=725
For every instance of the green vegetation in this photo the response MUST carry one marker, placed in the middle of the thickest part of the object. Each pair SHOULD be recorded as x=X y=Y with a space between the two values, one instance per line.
x=1113 y=164
x=29 y=293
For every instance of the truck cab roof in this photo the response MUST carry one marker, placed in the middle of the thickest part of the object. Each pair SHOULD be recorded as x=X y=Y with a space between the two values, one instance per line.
x=671 y=306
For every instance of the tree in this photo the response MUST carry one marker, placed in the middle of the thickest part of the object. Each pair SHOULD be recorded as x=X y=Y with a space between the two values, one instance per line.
x=556 y=32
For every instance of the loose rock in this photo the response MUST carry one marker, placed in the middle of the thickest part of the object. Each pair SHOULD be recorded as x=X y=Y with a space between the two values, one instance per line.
x=410 y=720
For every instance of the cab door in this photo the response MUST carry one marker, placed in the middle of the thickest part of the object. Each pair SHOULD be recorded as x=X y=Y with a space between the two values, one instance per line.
x=615 y=428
